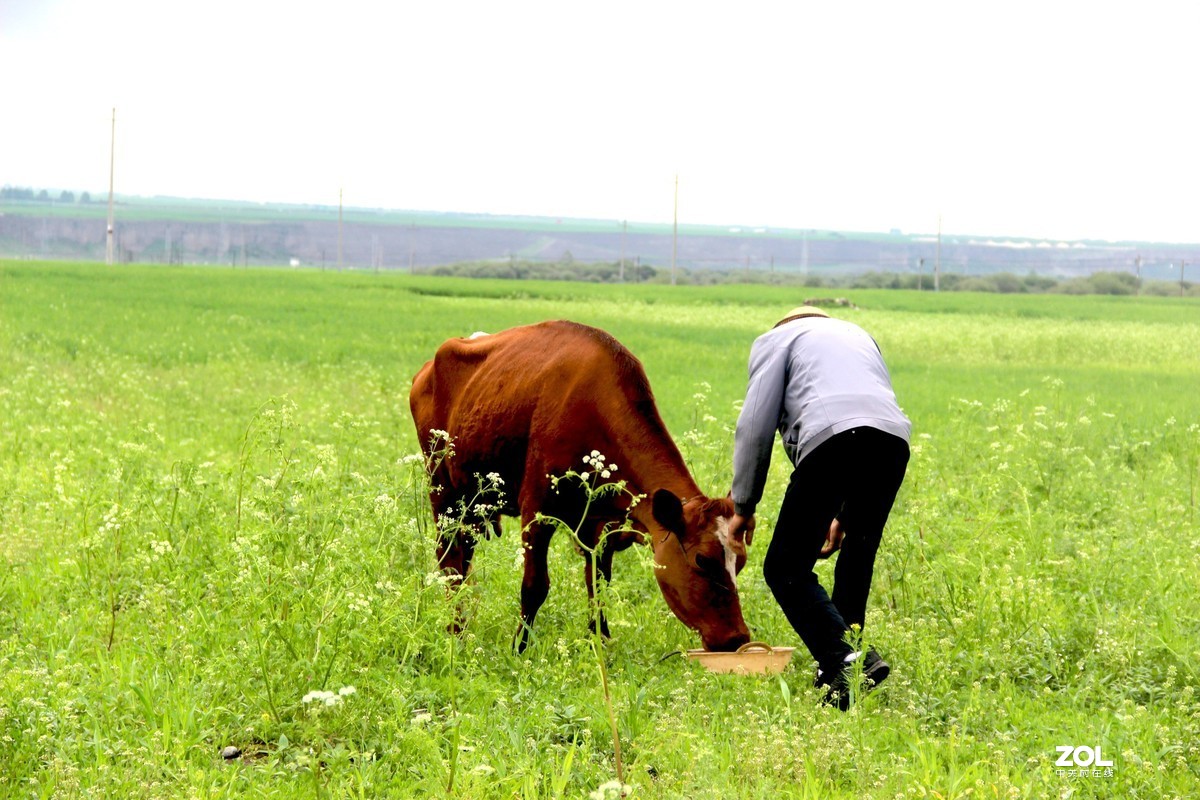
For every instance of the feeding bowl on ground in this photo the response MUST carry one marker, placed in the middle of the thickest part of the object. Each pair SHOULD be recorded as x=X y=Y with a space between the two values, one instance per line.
x=752 y=658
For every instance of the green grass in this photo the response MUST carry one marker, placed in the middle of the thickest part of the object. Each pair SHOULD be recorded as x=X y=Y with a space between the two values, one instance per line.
x=210 y=507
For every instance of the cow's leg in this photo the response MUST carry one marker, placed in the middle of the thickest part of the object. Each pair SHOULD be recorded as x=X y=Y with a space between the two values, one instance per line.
x=535 y=583
x=455 y=550
x=604 y=563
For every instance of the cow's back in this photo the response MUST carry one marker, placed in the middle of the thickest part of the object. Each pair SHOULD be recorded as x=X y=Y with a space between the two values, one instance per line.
x=537 y=393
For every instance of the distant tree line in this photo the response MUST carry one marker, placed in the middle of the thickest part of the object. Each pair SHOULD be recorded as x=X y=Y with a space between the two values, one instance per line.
x=565 y=269
x=1110 y=283
x=41 y=195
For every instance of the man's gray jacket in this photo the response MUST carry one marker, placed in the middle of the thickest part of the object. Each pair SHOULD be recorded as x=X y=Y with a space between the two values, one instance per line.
x=810 y=378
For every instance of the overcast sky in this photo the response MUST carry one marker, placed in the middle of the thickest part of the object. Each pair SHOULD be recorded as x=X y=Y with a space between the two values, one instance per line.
x=1047 y=119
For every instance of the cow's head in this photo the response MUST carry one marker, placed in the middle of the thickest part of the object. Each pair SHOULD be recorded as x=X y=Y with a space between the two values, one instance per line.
x=696 y=563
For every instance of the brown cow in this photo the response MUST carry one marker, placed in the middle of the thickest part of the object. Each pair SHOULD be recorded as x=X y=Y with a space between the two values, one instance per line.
x=530 y=403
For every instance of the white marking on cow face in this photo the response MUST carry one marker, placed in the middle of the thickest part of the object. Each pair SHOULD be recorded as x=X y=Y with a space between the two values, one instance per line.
x=478 y=335
x=730 y=556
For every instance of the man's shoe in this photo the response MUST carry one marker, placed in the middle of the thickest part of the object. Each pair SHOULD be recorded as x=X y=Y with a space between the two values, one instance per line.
x=837 y=679
x=875 y=669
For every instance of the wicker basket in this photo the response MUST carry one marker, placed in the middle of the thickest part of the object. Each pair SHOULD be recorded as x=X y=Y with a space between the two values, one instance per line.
x=752 y=658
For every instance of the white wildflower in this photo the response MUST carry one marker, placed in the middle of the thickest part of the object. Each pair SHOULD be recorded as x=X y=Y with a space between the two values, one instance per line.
x=327 y=454
x=611 y=791
x=385 y=503
x=320 y=696
x=325 y=698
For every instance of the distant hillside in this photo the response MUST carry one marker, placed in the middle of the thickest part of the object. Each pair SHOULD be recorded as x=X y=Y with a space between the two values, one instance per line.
x=167 y=230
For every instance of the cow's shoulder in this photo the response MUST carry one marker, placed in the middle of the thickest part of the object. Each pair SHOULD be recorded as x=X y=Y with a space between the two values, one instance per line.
x=596 y=350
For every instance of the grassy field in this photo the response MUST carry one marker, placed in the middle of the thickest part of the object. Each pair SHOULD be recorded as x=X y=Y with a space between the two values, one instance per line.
x=211 y=509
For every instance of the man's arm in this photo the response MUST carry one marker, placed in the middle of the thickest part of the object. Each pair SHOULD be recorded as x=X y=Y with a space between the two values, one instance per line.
x=755 y=433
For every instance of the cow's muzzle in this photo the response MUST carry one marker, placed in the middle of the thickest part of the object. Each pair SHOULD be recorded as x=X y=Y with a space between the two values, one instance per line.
x=726 y=645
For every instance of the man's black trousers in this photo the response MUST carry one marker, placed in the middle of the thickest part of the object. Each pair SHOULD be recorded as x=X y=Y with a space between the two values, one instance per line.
x=853 y=476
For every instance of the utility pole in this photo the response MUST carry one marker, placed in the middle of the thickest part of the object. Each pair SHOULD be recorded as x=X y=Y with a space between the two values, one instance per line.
x=937 y=264
x=920 y=274
x=621 y=273
x=1137 y=290
x=675 y=230
x=1182 y=264
x=112 y=154
x=339 y=230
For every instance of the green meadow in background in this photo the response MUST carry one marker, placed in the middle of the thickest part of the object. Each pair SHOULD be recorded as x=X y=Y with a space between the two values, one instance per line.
x=214 y=533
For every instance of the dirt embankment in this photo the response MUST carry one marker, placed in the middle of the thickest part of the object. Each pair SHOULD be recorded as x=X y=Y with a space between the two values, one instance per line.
x=390 y=246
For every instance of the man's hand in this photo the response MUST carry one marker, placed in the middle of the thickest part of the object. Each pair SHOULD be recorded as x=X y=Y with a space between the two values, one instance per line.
x=833 y=540
x=742 y=527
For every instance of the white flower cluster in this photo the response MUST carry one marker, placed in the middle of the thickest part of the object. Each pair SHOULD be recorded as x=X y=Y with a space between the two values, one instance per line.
x=60 y=471
x=358 y=603
x=612 y=791
x=596 y=460
x=327 y=454
x=442 y=578
x=384 y=505
x=328 y=698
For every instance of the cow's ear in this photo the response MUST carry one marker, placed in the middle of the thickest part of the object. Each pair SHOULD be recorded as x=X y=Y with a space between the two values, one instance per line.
x=668 y=512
